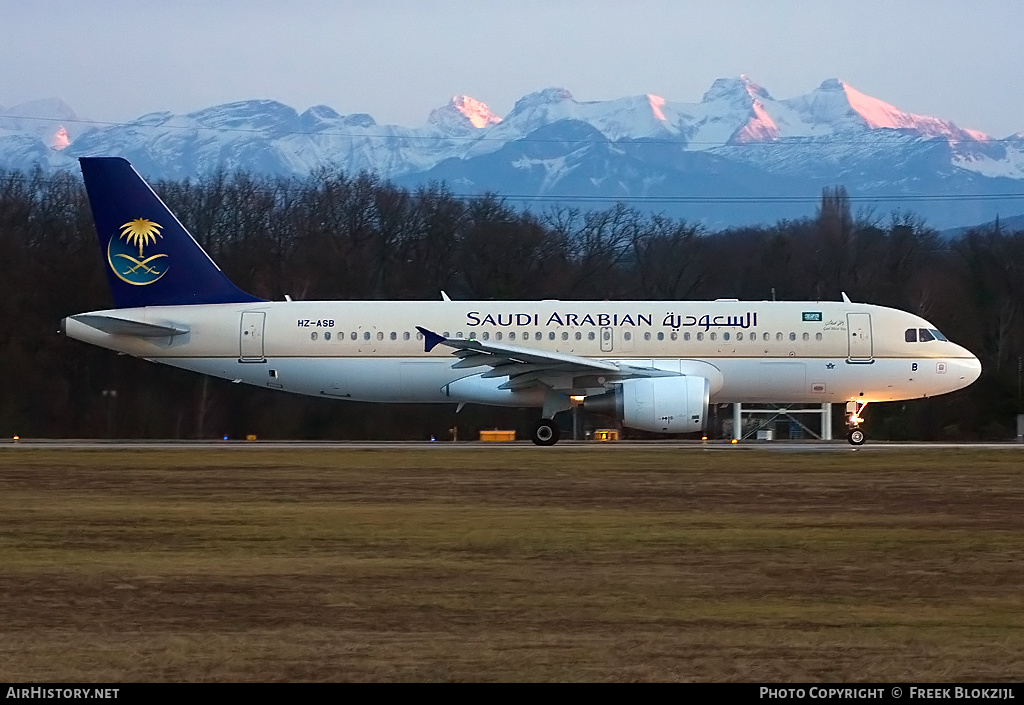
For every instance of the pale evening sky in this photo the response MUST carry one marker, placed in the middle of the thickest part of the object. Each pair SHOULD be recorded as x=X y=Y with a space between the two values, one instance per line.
x=114 y=60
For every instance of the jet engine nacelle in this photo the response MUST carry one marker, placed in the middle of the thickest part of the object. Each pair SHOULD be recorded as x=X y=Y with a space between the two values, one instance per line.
x=658 y=404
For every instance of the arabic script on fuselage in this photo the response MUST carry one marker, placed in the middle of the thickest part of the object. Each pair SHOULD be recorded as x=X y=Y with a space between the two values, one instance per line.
x=572 y=320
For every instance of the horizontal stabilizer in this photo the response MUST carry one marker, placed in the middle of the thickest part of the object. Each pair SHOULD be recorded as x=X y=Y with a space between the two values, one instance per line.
x=124 y=326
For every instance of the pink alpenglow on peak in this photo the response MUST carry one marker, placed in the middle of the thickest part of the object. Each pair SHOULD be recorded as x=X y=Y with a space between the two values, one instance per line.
x=657 y=103
x=759 y=128
x=462 y=115
x=878 y=114
x=59 y=140
x=476 y=112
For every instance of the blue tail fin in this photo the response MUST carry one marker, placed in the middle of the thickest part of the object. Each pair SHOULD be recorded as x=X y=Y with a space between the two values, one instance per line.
x=150 y=258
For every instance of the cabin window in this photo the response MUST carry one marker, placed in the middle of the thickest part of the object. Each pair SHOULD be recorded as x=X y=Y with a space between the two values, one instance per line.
x=686 y=336
x=512 y=335
x=394 y=335
x=778 y=336
x=647 y=336
x=767 y=337
x=591 y=336
x=792 y=336
x=538 y=336
x=446 y=334
x=327 y=335
x=807 y=336
x=565 y=335
x=312 y=336
x=354 y=335
x=380 y=335
x=714 y=336
x=472 y=335
x=700 y=336
x=910 y=335
x=405 y=335
x=366 y=335
x=579 y=336
x=419 y=336
x=486 y=336
x=739 y=336
x=661 y=336
x=924 y=335
x=497 y=336
x=725 y=336
x=674 y=335
x=459 y=334
x=627 y=336
x=817 y=336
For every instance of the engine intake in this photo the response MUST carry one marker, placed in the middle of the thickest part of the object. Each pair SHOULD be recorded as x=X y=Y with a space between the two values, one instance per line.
x=658 y=404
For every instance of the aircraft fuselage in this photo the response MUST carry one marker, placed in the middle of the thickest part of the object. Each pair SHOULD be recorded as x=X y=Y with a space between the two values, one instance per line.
x=371 y=350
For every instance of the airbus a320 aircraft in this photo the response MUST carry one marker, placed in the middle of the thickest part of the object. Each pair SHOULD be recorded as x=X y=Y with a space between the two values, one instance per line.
x=653 y=365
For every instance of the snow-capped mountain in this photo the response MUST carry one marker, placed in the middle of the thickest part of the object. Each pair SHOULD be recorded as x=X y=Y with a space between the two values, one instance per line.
x=769 y=157
x=35 y=133
x=462 y=115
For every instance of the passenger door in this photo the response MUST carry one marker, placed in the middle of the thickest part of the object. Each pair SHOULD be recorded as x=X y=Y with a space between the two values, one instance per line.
x=858 y=326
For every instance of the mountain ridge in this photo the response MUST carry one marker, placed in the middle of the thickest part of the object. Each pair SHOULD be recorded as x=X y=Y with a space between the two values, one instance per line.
x=635 y=146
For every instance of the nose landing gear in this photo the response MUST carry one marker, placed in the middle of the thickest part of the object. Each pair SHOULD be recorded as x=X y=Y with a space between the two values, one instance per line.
x=855 y=435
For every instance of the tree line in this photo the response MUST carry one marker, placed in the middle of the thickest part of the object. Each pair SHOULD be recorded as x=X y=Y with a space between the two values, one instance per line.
x=341 y=236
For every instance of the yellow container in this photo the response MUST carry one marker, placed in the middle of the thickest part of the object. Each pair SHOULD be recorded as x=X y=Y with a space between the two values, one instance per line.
x=606 y=434
x=497 y=435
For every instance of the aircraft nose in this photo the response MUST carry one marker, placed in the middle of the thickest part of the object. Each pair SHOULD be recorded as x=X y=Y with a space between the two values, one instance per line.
x=970 y=370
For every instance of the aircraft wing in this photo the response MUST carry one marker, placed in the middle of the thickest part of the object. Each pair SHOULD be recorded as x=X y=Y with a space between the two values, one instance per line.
x=526 y=366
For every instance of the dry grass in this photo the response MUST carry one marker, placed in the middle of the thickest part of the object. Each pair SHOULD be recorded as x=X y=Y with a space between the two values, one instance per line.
x=510 y=564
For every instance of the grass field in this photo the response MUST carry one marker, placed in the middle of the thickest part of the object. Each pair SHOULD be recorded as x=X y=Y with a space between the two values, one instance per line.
x=518 y=564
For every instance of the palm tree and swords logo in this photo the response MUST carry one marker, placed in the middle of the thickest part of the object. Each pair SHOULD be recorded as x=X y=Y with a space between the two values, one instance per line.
x=140 y=270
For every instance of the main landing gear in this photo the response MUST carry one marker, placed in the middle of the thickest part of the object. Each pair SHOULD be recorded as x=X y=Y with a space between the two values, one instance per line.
x=856 y=435
x=545 y=433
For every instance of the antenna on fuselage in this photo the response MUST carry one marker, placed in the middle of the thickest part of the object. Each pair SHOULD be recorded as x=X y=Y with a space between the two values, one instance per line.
x=444 y=296
x=846 y=299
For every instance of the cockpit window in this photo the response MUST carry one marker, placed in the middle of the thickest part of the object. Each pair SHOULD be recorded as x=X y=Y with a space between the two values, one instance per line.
x=925 y=335
x=938 y=335
x=911 y=335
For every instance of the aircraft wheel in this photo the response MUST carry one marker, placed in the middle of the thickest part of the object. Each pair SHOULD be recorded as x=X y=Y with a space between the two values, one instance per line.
x=545 y=433
x=856 y=437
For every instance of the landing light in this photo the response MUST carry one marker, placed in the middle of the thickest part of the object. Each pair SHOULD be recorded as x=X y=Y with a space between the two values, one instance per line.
x=735 y=441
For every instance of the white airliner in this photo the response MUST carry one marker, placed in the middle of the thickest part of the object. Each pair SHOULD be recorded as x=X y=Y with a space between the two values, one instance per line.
x=653 y=365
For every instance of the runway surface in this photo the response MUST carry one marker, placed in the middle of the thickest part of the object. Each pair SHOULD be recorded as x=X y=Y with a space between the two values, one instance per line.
x=837 y=446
